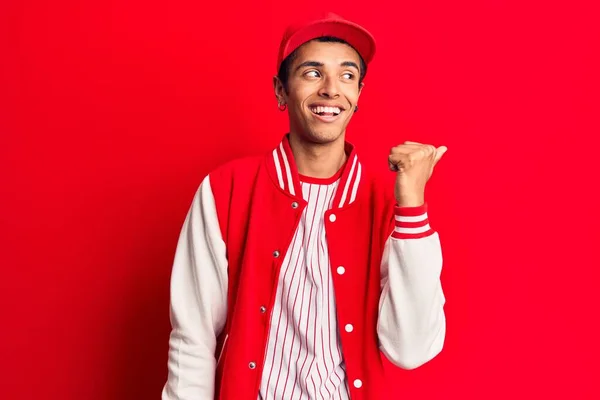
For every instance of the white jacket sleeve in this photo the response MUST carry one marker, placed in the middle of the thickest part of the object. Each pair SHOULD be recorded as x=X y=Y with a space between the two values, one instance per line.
x=412 y=324
x=198 y=301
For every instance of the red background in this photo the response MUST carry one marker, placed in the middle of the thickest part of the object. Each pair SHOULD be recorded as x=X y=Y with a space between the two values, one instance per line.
x=113 y=112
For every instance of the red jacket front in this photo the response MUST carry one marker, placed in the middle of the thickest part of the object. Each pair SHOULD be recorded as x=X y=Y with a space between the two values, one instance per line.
x=226 y=269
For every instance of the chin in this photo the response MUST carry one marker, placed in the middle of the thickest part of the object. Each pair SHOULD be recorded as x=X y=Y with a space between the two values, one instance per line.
x=323 y=133
x=323 y=136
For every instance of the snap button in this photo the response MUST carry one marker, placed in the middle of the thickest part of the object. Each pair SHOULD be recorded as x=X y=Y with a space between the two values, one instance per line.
x=263 y=309
x=341 y=270
x=276 y=254
x=332 y=217
x=295 y=204
x=349 y=328
x=357 y=383
x=252 y=365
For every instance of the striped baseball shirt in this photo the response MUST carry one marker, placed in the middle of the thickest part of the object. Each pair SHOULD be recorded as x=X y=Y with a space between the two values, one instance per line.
x=303 y=356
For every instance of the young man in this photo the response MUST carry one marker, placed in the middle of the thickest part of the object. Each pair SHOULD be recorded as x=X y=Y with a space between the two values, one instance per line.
x=300 y=275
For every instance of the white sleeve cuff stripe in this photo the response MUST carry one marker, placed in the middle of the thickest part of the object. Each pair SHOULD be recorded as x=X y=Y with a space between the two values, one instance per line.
x=416 y=218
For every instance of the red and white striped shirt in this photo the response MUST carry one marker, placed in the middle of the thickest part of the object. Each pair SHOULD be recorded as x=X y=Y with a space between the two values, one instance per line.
x=303 y=356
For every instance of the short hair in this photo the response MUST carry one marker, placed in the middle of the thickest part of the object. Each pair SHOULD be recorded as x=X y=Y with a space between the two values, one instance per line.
x=284 y=69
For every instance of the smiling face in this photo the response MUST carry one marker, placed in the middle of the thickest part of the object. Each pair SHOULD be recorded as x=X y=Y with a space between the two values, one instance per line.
x=322 y=90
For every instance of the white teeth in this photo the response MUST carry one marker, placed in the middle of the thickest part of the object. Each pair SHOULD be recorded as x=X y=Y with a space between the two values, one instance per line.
x=320 y=109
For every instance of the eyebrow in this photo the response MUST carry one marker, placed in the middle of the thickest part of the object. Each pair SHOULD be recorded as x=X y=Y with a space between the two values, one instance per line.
x=350 y=64
x=310 y=64
x=320 y=64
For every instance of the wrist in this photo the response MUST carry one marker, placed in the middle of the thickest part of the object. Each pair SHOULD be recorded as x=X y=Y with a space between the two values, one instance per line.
x=410 y=201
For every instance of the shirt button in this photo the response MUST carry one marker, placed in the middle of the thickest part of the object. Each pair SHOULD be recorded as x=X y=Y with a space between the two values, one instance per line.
x=357 y=383
x=349 y=328
x=341 y=270
x=263 y=309
x=252 y=365
x=276 y=254
x=332 y=217
x=295 y=204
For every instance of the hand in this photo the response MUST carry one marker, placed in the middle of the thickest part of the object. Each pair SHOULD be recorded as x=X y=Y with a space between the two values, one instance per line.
x=413 y=163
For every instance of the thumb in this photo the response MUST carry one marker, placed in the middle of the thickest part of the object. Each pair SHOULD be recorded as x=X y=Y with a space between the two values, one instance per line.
x=439 y=152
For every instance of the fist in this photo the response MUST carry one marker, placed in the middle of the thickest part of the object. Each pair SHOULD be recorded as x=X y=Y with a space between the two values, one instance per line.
x=413 y=163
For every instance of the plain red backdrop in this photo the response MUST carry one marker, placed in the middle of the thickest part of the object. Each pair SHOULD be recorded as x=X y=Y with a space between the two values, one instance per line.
x=112 y=113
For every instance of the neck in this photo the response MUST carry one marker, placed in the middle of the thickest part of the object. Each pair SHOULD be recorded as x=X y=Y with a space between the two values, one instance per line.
x=318 y=160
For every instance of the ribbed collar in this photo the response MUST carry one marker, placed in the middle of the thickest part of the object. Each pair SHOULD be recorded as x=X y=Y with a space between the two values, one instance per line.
x=284 y=172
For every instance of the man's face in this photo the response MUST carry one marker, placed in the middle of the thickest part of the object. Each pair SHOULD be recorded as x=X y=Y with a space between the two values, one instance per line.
x=322 y=90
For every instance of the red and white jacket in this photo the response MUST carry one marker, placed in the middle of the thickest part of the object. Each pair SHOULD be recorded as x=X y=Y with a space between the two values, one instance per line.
x=226 y=268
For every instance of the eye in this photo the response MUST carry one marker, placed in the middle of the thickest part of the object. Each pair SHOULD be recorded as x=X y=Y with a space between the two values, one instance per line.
x=312 y=74
x=348 y=75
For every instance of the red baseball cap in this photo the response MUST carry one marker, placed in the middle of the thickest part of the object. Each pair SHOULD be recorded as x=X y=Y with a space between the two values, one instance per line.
x=328 y=25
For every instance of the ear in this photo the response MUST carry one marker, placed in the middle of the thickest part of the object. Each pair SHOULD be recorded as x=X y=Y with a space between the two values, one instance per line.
x=279 y=89
x=360 y=88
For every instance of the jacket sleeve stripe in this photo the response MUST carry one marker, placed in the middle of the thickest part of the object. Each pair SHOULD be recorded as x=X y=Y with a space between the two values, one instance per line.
x=418 y=229
x=417 y=218
x=415 y=224
x=411 y=222
x=410 y=211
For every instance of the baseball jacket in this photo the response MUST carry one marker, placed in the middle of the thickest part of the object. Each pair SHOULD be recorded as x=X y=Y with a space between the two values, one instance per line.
x=225 y=272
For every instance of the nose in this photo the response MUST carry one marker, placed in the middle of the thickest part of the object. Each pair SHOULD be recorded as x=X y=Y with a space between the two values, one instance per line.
x=329 y=89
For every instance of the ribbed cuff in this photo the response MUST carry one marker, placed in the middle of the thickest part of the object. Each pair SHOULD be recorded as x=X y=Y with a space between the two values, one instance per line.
x=411 y=222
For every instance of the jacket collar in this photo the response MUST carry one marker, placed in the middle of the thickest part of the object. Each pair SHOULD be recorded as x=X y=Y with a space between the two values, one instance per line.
x=284 y=173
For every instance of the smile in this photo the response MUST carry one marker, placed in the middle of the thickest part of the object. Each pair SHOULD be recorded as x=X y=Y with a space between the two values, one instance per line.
x=325 y=113
x=328 y=111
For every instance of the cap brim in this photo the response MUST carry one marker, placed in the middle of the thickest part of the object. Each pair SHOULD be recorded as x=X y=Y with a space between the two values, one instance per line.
x=356 y=36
